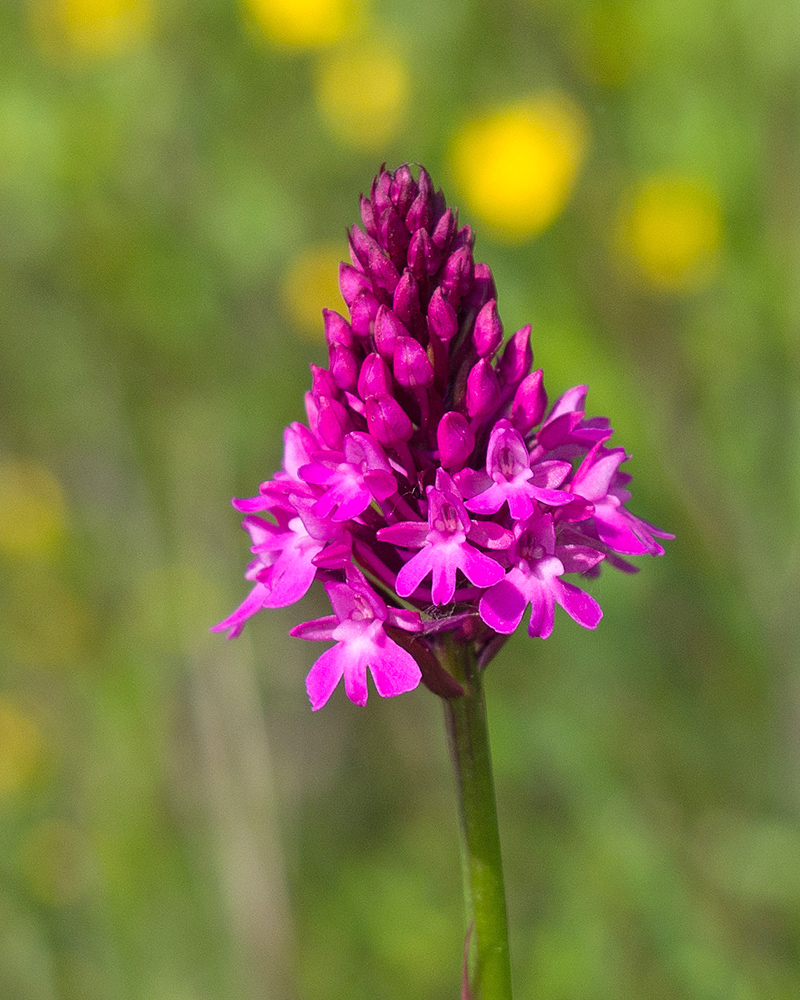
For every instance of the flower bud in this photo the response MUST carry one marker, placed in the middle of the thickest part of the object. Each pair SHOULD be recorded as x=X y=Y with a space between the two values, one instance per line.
x=411 y=365
x=403 y=189
x=424 y=257
x=487 y=335
x=337 y=329
x=406 y=300
x=387 y=329
x=362 y=314
x=442 y=318
x=352 y=283
x=375 y=379
x=343 y=366
x=444 y=231
x=530 y=402
x=455 y=440
x=457 y=277
x=517 y=358
x=387 y=421
x=483 y=391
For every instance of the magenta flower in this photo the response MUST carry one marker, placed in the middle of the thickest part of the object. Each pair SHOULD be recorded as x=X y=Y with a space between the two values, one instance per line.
x=358 y=628
x=443 y=545
x=536 y=565
x=510 y=478
x=431 y=490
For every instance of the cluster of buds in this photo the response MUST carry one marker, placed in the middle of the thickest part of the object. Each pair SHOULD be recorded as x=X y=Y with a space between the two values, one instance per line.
x=433 y=491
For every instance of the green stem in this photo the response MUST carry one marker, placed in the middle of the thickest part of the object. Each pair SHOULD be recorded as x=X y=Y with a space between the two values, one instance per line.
x=468 y=736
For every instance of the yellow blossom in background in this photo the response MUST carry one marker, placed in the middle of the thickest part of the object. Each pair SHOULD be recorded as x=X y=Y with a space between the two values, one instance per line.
x=362 y=94
x=515 y=167
x=90 y=28
x=303 y=24
x=21 y=748
x=671 y=228
x=54 y=860
x=32 y=510
x=311 y=285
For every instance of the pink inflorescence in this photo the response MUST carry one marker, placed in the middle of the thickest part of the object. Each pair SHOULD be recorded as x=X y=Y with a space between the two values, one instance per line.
x=433 y=492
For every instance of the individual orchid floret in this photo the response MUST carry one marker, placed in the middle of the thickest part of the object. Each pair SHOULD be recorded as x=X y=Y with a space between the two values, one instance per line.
x=443 y=545
x=598 y=480
x=284 y=567
x=358 y=627
x=511 y=479
x=354 y=477
x=534 y=579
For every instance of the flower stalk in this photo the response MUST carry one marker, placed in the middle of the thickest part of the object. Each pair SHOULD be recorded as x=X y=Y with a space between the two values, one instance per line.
x=468 y=737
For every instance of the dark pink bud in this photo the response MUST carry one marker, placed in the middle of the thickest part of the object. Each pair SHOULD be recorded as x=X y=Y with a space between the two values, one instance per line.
x=445 y=230
x=337 y=329
x=442 y=318
x=483 y=391
x=482 y=288
x=455 y=440
x=457 y=277
x=381 y=199
x=517 y=358
x=360 y=246
x=343 y=366
x=403 y=189
x=420 y=214
x=387 y=329
x=375 y=261
x=411 y=365
x=393 y=234
x=406 y=299
x=530 y=402
x=322 y=383
x=423 y=257
x=352 y=283
x=368 y=217
x=463 y=238
x=333 y=421
x=362 y=314
x=487 y=335
x=375 y=379
x=387 y=421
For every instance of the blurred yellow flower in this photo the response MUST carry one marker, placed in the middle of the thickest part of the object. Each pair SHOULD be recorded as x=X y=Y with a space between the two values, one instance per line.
x=516 y=167
x=32 y=510
x=671 y=228
x=90 y=27
x=362 y=94
x=302 y=24
x=20 y=748
x=311 y=285
x=54 y=860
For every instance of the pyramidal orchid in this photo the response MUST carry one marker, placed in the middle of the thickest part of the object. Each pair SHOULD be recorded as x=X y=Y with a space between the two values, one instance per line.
x=436 y=496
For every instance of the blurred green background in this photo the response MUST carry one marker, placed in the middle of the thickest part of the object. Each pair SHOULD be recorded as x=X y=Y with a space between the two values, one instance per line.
x=175 y=182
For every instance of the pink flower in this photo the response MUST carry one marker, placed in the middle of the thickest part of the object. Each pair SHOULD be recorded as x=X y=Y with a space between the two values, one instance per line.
x=358 y=628
x=430 y=471
x=533 y=579
x=443 y=545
